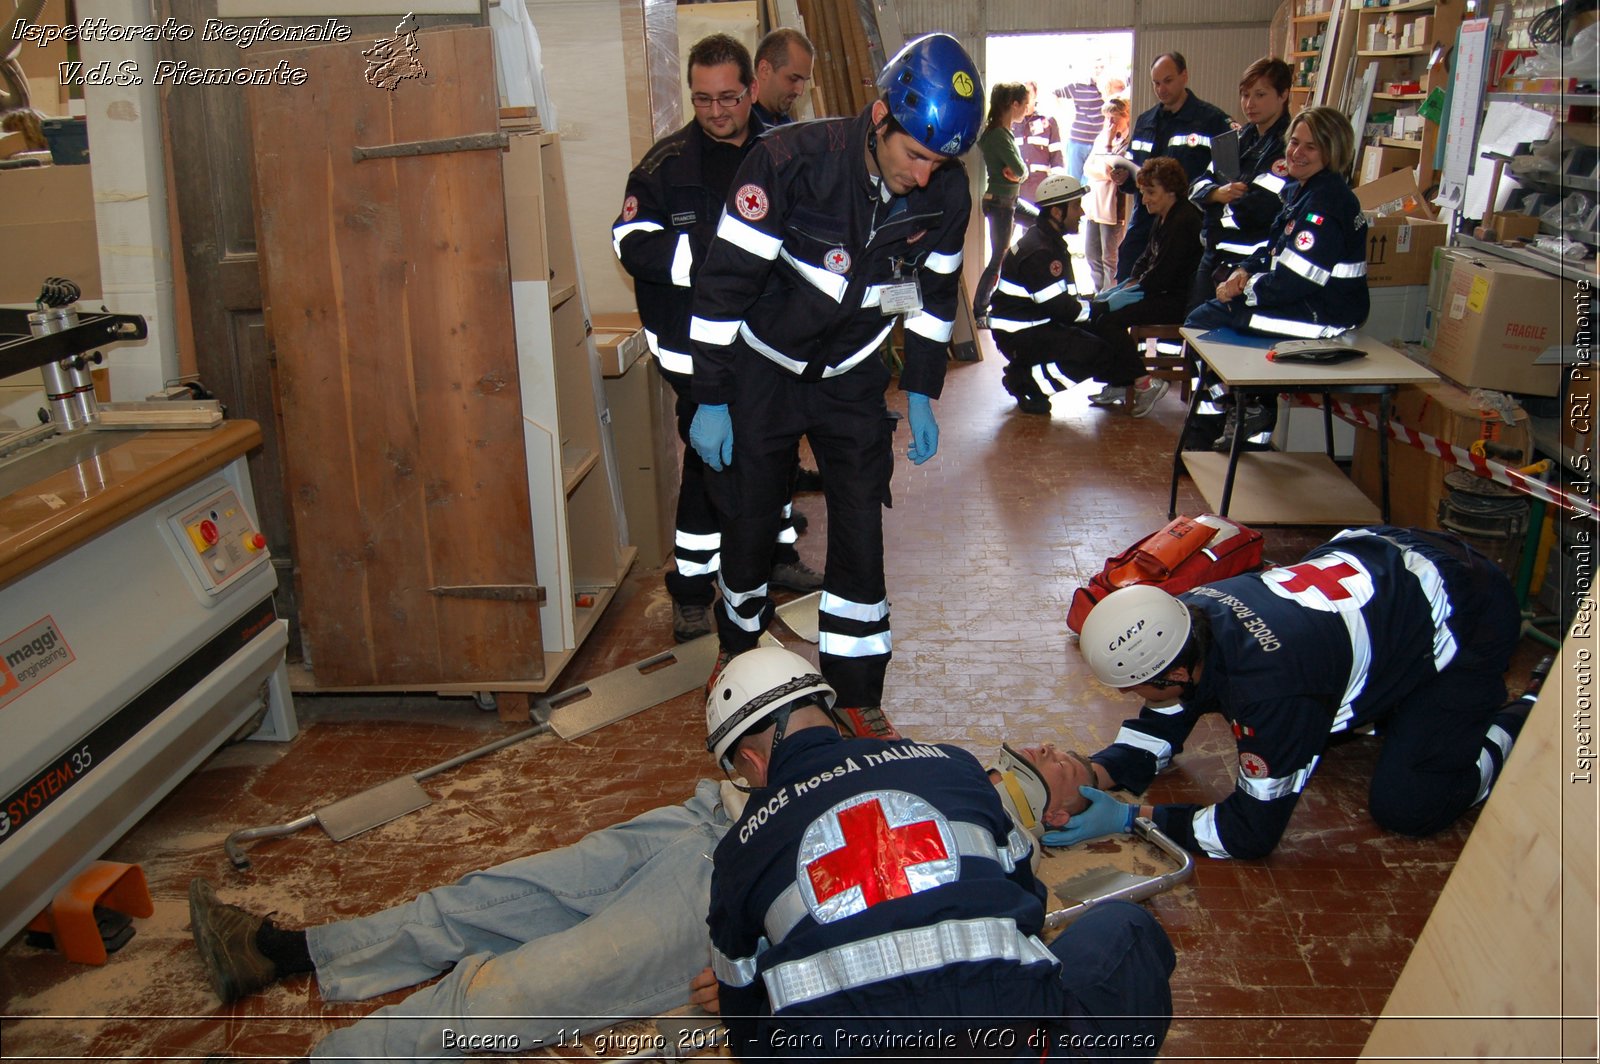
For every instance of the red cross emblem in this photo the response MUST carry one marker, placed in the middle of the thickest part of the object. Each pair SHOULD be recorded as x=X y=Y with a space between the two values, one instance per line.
x=883 y=846
x=1304 y=239
x=630 y=207
x=1055 y=268
x=1194 y=138
x=837 y=260
x=1280 y=167
x=751 y=201
x=1322 y=583
x=1253 y=766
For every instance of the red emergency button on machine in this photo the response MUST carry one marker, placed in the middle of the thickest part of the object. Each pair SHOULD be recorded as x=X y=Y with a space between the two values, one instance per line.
x=254 y=542
x=203 y=534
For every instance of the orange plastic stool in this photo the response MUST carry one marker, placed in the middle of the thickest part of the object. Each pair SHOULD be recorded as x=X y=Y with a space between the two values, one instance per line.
x=70 y=918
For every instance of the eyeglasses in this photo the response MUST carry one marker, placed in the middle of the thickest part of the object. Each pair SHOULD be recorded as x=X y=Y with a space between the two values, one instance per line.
x=728 y=100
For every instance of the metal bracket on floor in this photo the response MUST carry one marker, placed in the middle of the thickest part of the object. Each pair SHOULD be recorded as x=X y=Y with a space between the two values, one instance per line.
x=1097 y=888
x=800 y=616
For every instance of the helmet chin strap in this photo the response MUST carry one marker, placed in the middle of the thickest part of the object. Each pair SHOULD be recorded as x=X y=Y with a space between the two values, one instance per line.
x=780 y=725
x=872 y=149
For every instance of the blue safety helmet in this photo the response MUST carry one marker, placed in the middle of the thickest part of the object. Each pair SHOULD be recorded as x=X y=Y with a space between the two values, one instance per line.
x=933 y=91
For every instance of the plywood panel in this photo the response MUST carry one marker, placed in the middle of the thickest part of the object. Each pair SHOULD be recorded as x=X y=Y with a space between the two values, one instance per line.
x=1511 y=946
x=388 y=303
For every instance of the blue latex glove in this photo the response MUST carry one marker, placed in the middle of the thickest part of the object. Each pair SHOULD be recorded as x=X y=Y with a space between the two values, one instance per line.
x=711 y=435
x=924 y=429
x=1118 y=298
x=1114 y=288
x=1105 y=816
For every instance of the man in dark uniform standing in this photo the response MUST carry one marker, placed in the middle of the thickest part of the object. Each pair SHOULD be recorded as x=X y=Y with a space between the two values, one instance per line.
x=1409 y=630
x=876 y=899
x=668 y=221
x=784 y=61
x=835 y=230
x=1181 y=126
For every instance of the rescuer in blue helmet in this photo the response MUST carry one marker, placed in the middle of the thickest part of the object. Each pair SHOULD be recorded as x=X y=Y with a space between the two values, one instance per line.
x=832 y=232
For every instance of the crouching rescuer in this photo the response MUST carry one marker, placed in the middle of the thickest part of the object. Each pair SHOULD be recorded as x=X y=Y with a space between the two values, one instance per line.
x=877 y=897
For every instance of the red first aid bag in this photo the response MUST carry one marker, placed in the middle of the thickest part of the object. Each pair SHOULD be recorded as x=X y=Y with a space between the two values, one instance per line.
x=1188 y=552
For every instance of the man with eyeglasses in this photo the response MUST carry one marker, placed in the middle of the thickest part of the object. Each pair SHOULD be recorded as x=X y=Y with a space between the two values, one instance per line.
x=1406 y=630
x=835 y=230
x=668 y=220
x=784 y=60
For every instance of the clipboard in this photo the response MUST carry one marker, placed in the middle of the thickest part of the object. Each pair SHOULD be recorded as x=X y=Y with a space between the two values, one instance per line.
x=1225 y=155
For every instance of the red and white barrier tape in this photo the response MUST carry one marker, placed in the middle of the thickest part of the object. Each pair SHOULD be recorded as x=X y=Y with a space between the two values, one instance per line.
x=1462 y=457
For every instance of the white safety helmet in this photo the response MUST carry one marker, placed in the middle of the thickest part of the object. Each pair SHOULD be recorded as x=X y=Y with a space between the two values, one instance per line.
x=1057 y=190
x=753 y=686
x=1132 y=634
x=1023 y=791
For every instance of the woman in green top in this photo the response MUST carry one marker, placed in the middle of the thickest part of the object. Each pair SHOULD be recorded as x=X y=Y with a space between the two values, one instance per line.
x=1008 y=102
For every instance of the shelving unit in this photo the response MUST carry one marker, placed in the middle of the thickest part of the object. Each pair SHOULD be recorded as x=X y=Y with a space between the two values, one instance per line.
x=572 y=501
x=1575 y=114
x=1407 y=43
x=1306 y=27
x=1400 y=44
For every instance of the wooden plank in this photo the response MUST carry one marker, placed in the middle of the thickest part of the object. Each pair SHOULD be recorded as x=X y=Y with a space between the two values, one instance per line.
x=388 y=306
x=467 y=408
x=830 y=58
x=1510 y=947
x=863 y=78
x=1270 y=488
x=170 y=414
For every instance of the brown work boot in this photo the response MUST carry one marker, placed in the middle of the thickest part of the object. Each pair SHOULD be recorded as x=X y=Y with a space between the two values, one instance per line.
x=225 y=935
x=868 y=722
x=723 y=657
x=689 y=621
x=795 y=576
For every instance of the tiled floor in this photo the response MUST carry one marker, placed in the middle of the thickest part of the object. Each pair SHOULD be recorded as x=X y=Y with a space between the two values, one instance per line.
x=1286 y=958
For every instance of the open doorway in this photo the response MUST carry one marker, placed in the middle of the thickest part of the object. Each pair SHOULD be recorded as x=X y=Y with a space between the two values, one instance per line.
x=1055 y=62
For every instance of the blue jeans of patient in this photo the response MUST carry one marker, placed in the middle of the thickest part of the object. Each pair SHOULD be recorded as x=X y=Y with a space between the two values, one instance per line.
x=613 y=926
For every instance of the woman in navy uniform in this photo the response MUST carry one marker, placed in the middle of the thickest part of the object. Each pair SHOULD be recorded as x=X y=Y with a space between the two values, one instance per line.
x=1239 y=212
x=1312 y=281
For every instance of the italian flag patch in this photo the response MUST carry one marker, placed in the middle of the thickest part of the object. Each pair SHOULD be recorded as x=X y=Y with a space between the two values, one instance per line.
x=1314 y=219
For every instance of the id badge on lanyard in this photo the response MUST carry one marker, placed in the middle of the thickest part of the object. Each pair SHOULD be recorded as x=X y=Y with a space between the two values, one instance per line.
x=901 y=296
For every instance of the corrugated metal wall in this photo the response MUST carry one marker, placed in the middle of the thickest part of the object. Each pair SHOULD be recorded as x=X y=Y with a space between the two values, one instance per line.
x=1217 y=45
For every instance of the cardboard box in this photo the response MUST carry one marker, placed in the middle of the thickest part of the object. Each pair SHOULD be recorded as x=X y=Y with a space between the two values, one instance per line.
x=1378 y=161
x=645 y=430
x=1398 y=313
x=1444 y=263
x=1497 y=318
x=1511 y=226
x=1402 y=234
x=1400 y=249
x=620 y=340
x=47 y=230
x=1446 y=412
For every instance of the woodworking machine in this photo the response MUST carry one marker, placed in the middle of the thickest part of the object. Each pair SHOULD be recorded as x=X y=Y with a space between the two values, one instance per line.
x=137 y=630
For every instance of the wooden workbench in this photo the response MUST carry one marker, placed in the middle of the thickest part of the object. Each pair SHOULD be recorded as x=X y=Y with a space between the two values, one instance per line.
x=132 y=471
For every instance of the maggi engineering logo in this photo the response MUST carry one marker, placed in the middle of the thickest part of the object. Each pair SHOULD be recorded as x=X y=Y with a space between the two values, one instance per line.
x=391 y=61
x=30 y=656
